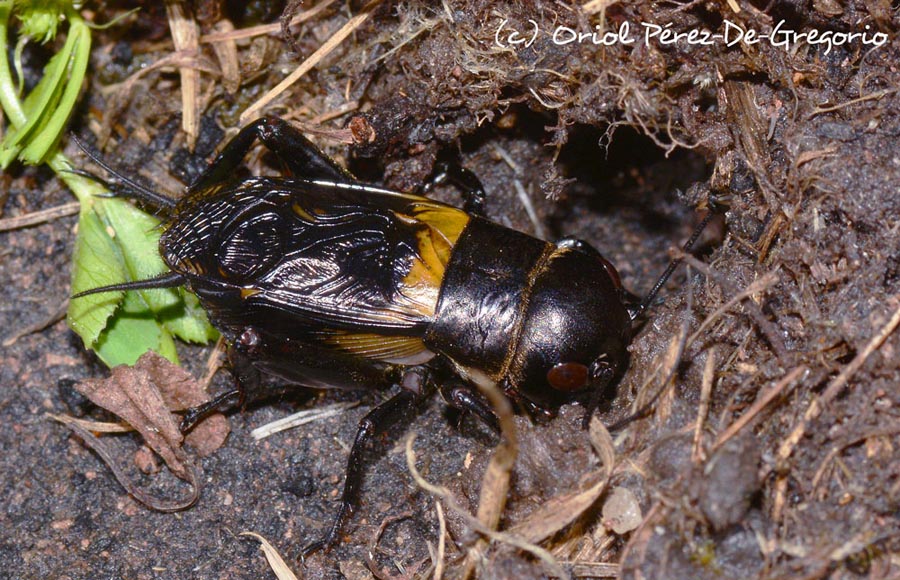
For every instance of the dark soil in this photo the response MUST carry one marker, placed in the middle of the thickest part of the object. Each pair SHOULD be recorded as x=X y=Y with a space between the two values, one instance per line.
x=619 y=145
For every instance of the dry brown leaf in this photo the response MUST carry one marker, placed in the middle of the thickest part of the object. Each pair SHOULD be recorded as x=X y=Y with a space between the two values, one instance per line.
x=181 y=391
x=132 y=394
x=562 y=510
x=144 y=396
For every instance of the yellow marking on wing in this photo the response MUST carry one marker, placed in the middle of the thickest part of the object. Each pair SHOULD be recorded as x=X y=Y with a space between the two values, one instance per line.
x=248 y=291
x=448 y=222
x=301 y=212
x=439 y=228
x=377 y=346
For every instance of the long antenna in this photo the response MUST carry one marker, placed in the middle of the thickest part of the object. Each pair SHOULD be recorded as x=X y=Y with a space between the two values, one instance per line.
x=167 y=280
x=128 y=187
x=634 y=313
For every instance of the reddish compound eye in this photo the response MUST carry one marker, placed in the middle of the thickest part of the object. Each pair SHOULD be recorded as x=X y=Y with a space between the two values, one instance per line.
x=568 y=377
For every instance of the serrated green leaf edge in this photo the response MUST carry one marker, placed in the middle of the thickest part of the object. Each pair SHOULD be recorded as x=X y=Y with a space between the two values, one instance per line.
x=193 y=325
x=136 y=236
x=121 y=244
x=94 y=264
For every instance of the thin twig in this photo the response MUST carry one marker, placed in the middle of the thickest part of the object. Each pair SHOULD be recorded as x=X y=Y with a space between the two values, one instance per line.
x=870 y=97
x=335 y=113
x=885 y=432
x=262 y=29
x=769 y=330
x=815 y=407
x=38 y=217
x=709 y=373
x=760 y=404
x=471 y=521
x=839 y=382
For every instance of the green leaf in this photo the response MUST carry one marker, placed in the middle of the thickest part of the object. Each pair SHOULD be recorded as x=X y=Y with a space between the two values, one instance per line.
x=116 y=243
x=136 y=235
x=132 y=332
x=41 y=102
x=193 y=325
x=43 y=142
x=96 y=263
x=119 y=326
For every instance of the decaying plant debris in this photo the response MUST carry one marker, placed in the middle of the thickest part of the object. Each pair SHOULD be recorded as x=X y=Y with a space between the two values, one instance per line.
x=771 y=449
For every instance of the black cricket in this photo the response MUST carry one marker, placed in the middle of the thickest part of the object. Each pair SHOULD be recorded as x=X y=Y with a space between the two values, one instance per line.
x=323 y=281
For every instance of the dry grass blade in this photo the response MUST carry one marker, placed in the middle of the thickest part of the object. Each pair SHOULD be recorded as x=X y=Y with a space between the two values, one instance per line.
x=594 y=570
x=93 y=426
x=314 y=59
x=213 y=363
x=760 y=404
x=539 y=230
x=38 y=217
x=473 y=522
x=562 y=510
x=594 y=6
x=709 y=371
x=186 y=37
x=301 y=418
x=273 y=557
x=765 y=326
x=227 y=55
x=262 y=29
x=667 y=364
x=759 y=285
x=495 y=482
